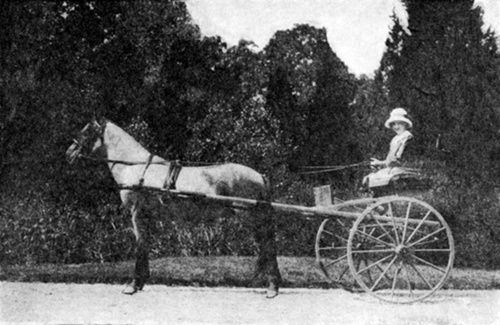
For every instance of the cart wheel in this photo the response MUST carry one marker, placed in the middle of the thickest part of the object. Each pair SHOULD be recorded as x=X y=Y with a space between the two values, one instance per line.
x=400 y=250
x=331 y=250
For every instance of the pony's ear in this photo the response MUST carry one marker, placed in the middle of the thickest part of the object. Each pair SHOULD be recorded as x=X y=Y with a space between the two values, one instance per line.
x=100 y=124
x=94 y=116
x=99 y=121
x=102 y=121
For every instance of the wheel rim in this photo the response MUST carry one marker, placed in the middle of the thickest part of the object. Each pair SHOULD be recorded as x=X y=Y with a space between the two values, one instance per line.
x=331 y=250
x=400 y=250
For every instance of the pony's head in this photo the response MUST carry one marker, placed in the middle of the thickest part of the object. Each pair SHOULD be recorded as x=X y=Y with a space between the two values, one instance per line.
x=88 y=141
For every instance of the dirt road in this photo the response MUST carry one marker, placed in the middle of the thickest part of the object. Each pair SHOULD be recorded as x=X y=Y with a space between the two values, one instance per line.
x=104 y=304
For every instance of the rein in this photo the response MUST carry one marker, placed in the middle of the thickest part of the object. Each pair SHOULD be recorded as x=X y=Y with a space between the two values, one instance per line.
x=123 y=162
x=307 y=170
x=131 y=163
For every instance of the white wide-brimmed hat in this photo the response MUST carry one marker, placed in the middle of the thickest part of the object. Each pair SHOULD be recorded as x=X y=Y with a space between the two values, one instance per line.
x=398 y=115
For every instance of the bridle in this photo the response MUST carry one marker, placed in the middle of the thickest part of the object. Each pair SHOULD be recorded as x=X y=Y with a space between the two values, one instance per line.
x=95 y=131
x=87 y=138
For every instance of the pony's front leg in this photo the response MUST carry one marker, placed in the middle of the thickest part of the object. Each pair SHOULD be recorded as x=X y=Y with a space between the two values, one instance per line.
x=267 y=262
x=141 y=271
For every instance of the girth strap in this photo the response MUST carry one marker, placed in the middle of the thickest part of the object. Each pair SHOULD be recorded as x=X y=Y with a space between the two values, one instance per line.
x=148 y=162
x=173 y=172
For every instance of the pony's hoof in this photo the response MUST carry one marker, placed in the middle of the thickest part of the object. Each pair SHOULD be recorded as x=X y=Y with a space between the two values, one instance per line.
x=129 y=290
x=271 y=293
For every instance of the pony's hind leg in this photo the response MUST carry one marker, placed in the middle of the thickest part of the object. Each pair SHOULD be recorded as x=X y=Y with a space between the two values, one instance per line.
x=141 y=271
x=267 y=263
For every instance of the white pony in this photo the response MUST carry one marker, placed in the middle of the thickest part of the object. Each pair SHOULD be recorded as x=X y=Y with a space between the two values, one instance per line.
x=133 y=166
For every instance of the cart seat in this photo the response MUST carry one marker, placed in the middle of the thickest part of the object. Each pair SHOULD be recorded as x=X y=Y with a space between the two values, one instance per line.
x=384 y=176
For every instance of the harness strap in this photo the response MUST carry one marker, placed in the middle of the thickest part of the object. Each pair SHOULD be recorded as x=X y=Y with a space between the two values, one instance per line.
x=326 y=169
x=148 y=162
x=173 y=173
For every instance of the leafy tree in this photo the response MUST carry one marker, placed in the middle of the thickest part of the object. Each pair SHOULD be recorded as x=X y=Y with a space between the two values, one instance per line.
x=309 y=92
x=237 y=125
x=371 y=109
x=447 y=74
x=63 y=63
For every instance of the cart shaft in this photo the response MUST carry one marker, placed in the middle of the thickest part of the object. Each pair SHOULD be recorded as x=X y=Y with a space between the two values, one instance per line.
x=319 y=211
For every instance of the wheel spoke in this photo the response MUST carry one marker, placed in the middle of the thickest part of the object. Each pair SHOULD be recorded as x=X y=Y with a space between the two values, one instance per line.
x=374 y=251
x=342 y=273
x=331 y=249
x=340 y=222
x=327 y=232
x=386 y=276
x=374 y=228
x=382 y=226
x=369 y=271
x=405 y=244
x=383 y=273
x=394 y=280
x=425 y=237
x=382 y=236
x=342 y=238
x=374 y=238
x=413 y=229
x=442 y=250
x=335 y=261
x=406 y=222
x=419 y=225
x=408 y=280
x=394 y=223
x=431 y=241
x=421 y=276
x=429 y=264
x=374 y=264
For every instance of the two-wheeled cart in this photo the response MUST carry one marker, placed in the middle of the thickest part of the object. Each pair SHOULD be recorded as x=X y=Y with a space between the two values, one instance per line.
x=398 y=249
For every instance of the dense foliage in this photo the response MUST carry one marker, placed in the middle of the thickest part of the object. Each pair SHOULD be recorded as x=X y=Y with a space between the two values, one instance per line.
x=146 y=66
x=447 y=71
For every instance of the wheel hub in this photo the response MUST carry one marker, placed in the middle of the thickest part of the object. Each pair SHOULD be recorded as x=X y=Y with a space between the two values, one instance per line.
x=403 y=252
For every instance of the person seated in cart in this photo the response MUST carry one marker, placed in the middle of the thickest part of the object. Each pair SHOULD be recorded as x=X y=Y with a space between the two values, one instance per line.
x=390 y=167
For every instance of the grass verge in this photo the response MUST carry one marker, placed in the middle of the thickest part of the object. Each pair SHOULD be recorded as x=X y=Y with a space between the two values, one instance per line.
x=228 y=271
